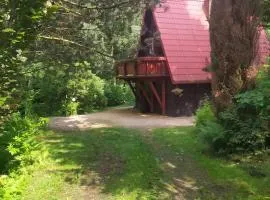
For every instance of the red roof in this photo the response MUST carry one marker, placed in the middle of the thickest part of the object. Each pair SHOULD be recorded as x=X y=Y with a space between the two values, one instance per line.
x=184 y=33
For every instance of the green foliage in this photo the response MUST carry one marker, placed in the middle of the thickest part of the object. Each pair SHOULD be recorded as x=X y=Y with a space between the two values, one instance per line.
x=231 y=180
x=207 y=126
x=118 y=94
x=266 y=13
x=242 y=134
x=71 y=108
x=242 y=128
x=18 y=142
x=66 y=89
x=19 y=150
x=87 y=89
x=19 y=21
x=44 y=48
x=120 y=163
x=72 y=89
x=247 y=122
x=204 y=114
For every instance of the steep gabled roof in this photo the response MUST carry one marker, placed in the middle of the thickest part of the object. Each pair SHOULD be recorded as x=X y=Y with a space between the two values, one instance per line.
x=184 y=33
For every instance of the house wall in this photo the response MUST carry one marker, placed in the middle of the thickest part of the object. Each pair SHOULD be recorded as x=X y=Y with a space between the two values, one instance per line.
x=189 y=101
x=183 y=105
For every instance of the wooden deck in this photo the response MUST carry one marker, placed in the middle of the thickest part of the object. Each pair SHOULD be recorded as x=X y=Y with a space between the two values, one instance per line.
x=147 y=78
x=141 y=68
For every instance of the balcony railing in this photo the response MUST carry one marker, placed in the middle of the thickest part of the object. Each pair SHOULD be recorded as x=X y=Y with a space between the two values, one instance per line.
x=142 y=67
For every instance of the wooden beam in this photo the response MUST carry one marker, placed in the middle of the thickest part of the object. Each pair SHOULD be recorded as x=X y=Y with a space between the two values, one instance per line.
x=132 y=88
x=163 y=97
x=152 y=101
x=125 y=69
x=153 y=88
x=145 y=95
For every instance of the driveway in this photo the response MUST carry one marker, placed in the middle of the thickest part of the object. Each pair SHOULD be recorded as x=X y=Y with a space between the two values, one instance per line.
x=118 y=117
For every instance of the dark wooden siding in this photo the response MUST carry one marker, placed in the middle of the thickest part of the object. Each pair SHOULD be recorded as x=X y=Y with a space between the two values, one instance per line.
x=188 y=103
x=184 y=105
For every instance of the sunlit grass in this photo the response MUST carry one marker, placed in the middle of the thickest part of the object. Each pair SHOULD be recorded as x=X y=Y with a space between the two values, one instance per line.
x=121 y=164
x=110 y=163
x=225 y=173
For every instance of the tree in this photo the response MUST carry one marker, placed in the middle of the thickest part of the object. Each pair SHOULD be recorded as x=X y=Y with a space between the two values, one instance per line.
x=266 y=13
x=234 y=37
x=41 y=39
x=92 y=31
x=19 y=22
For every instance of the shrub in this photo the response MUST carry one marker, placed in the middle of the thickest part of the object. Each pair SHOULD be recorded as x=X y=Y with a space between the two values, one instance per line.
x=242 y=134
x=55 y=89
x=17 y=141
x=205 y=114
x=209 y=130
x=251 y=117
x=118 y=94
x=242 y=128
x=247 y=122
x=71 y=108
x=88 y=90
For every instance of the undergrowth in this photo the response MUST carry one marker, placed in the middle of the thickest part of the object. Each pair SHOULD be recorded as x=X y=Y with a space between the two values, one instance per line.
x=242 y=128
x=19 y=150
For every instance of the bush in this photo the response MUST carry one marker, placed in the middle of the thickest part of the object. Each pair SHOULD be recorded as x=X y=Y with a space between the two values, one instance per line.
x=17 y=142
x=205 y=114
x=244 y=127
x=71 y=89
x=118 y=94
x=71 y=108
x=66 y=90
x=242 y=134
x=87 y=90
x=247 y=123
x=209 y=130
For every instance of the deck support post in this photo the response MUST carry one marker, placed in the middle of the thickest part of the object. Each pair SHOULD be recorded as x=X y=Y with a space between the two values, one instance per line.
x=132 y=88
x=161 y=100
x=153 y=88
x=146 y=96
x=152 y=101
x=163 y=97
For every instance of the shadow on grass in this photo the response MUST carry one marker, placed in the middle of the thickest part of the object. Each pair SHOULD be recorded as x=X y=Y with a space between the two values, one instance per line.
x=218 y=178
x=125 y=165
x=117 y=160
x=167 y=165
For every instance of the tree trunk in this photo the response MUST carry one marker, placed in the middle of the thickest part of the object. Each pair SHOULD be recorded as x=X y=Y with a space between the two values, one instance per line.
x=234 y=38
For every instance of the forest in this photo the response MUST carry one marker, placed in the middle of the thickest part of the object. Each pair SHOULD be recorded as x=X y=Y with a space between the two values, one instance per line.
x=57 y=58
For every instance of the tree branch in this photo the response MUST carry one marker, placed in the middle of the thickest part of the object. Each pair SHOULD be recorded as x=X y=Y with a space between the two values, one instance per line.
x=75 y=44
x=96 y=7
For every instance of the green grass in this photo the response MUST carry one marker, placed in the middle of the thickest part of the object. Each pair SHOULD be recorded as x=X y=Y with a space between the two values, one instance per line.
x=121 y=164
x=108 y=163
x=234 y=177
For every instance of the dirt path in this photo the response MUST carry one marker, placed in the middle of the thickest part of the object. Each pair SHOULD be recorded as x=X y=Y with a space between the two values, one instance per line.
x=121 y=117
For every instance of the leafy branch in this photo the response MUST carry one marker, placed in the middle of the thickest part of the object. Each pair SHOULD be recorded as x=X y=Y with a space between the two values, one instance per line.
x=66 y=41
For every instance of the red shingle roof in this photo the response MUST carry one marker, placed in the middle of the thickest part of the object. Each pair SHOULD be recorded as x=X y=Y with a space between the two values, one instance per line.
x=185 y=37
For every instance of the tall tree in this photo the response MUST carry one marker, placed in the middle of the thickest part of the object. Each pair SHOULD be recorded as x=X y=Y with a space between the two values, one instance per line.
x=234 y=37
x=266 y=13
x=77 y=31
x=19 y=22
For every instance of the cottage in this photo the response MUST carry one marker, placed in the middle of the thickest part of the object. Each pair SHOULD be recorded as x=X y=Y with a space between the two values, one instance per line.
x=169 y=75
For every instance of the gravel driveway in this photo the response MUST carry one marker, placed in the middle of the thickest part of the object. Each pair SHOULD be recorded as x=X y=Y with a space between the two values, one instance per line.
x=117 y=117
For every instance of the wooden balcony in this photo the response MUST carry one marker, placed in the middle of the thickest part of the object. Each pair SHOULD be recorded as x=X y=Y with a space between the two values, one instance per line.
x=143 y=67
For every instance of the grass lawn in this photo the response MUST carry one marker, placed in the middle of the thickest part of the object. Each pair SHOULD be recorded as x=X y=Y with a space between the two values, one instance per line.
x=248 y=180
x=125 y=164
x=98 y=164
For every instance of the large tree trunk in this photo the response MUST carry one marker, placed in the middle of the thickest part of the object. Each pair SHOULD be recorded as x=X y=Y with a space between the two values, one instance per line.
x=234 y=38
